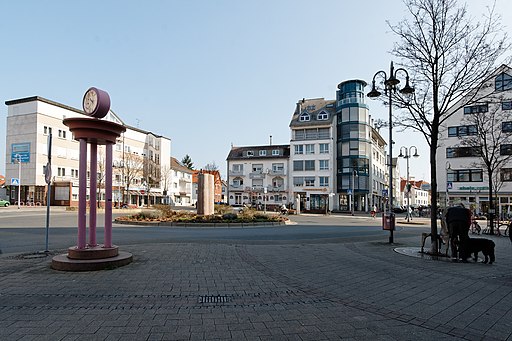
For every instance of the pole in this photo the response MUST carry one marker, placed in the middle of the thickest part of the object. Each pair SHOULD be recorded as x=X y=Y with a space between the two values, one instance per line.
x=391 y=73
x=407 y=156
x=353 y=195
x=19 y=181
x=48 y=195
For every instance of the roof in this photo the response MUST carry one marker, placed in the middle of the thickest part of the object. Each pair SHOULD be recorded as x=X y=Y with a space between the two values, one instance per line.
x=313 y=107
x=176 y=165
x=253 y=152
x=215 y=173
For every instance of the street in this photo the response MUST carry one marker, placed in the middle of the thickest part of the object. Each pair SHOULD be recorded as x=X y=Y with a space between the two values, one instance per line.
x=23 y=231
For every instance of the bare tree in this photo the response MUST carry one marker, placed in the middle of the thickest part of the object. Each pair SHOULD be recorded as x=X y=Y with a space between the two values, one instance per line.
x=166 y=177
x=450 y=56
x=489 y=134
x=212 y=166
x=100 y=177
x=133 y=169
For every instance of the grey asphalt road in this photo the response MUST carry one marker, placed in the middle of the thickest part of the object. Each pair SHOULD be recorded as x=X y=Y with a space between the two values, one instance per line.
x=23 y=231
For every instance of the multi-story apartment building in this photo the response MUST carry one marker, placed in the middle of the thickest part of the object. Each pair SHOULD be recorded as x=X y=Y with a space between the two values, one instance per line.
x=312 y=154
x=139 y=156
x=416 y=195
x=379 y=169
x=180 y=189
x=462 y=177
x=258 y=175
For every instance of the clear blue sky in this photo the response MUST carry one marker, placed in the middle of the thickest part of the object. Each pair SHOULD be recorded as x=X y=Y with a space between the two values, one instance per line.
x=206 y=74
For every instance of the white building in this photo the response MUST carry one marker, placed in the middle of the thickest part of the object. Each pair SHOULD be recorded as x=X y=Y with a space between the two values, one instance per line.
x=258 y=175
x=180 y=190
x=312 y=154
x=139 y=156
x=461 y=174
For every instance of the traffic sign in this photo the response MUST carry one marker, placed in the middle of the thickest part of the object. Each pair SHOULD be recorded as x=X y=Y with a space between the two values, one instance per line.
x=384 y=192
x=449 y=185
x=349 y=191
x=15 y=182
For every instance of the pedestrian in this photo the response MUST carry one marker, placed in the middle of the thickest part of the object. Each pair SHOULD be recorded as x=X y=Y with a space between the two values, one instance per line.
x=374 y=211
x=458 y=219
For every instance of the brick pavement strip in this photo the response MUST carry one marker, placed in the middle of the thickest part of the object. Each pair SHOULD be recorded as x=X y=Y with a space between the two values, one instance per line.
x=362 y=290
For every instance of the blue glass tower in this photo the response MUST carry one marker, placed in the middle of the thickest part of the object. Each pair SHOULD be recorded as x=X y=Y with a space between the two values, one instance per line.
x=353 y=144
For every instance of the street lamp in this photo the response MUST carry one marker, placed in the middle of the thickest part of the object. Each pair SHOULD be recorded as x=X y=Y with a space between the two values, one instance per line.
x=390 y=88
x=406 y=154
x=448 y=167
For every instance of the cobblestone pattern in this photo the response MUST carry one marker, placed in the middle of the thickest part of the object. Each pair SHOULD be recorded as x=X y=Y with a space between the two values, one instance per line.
x=357 y=291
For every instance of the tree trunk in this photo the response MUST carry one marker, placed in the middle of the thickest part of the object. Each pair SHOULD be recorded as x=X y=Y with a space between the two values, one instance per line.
x=434 y=194
x=492 y=210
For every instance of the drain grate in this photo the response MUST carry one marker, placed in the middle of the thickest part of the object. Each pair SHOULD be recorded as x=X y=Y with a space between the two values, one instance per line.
x=214 y=299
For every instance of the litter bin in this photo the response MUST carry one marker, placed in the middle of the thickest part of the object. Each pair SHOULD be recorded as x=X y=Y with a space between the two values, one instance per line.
x=388 y=221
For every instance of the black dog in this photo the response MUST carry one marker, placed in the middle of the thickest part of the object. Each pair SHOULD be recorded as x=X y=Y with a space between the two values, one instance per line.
x=486 y=246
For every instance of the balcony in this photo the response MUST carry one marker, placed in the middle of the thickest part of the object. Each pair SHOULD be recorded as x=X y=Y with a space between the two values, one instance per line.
x=236 y=173
x=257 y=175
x=277 y=172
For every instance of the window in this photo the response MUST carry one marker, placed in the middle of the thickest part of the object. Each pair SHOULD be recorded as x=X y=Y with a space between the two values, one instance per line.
x=61 y=171
x=238 y=182
x=304 y=118
x=506 y=127
x=250 y=153
x=298 y=181
x=310 y=149
x=462 y=131
x=309 y=181
x=238 y=168
x=278 y=167
x=324 y=148
x=257 y=183
x=506 y=174
x=62 y=134
x=323 y=164
x=476 y=109
x=506 y=149
x=324 y=181
x=299 y=149
x=257 y=167
x=503 y=82
x=506 y=105
x=278 y=182
x=275 y=152
x=309 y=165
x=263 y=153
x=463 y=152
x=298 y=165
x=322 y=116
x=47 y=130
x=465 y=175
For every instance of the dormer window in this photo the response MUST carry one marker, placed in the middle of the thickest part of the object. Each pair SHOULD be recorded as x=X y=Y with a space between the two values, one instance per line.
x=304 y=117
x=503 y=82
x=323 y=116
x=263 y=153
x=250 y=153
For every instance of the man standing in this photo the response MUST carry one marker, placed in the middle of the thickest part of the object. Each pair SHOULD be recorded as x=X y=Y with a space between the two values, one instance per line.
x=458 y=219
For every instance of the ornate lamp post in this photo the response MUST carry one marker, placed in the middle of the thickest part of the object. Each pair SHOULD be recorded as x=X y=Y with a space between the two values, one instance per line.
x=406 y=154
x=390 y=88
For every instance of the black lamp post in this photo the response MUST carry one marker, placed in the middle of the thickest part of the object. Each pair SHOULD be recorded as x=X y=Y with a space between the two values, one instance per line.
x=407 y=155
x=390 y=88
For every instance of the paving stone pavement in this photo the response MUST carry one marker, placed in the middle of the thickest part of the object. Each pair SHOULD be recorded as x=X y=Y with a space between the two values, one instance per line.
x=325 y=291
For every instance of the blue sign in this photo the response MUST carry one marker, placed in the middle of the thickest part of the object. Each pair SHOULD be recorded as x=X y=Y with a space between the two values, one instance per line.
x=20 y=152
x=449 y=185
x=384 y=192
x=15 y=182
x=349 y=191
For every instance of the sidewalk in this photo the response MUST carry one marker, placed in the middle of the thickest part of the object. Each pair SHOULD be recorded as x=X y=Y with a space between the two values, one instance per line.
x=208 y=291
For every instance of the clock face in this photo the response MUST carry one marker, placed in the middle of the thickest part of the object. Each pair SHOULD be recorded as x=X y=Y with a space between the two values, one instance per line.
x=90 y=101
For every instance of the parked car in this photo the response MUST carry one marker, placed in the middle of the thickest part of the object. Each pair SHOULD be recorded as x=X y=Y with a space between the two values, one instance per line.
x=4 y=203
x=399 y=209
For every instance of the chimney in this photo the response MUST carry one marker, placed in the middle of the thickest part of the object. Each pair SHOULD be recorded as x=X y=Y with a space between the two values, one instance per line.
x=270 y=139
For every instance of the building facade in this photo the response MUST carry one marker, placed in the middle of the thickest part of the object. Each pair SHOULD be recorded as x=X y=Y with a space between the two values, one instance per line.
x=139 y=157
x=462 y=176
x=180 y=189
x=312 y=154
x=258 y=176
